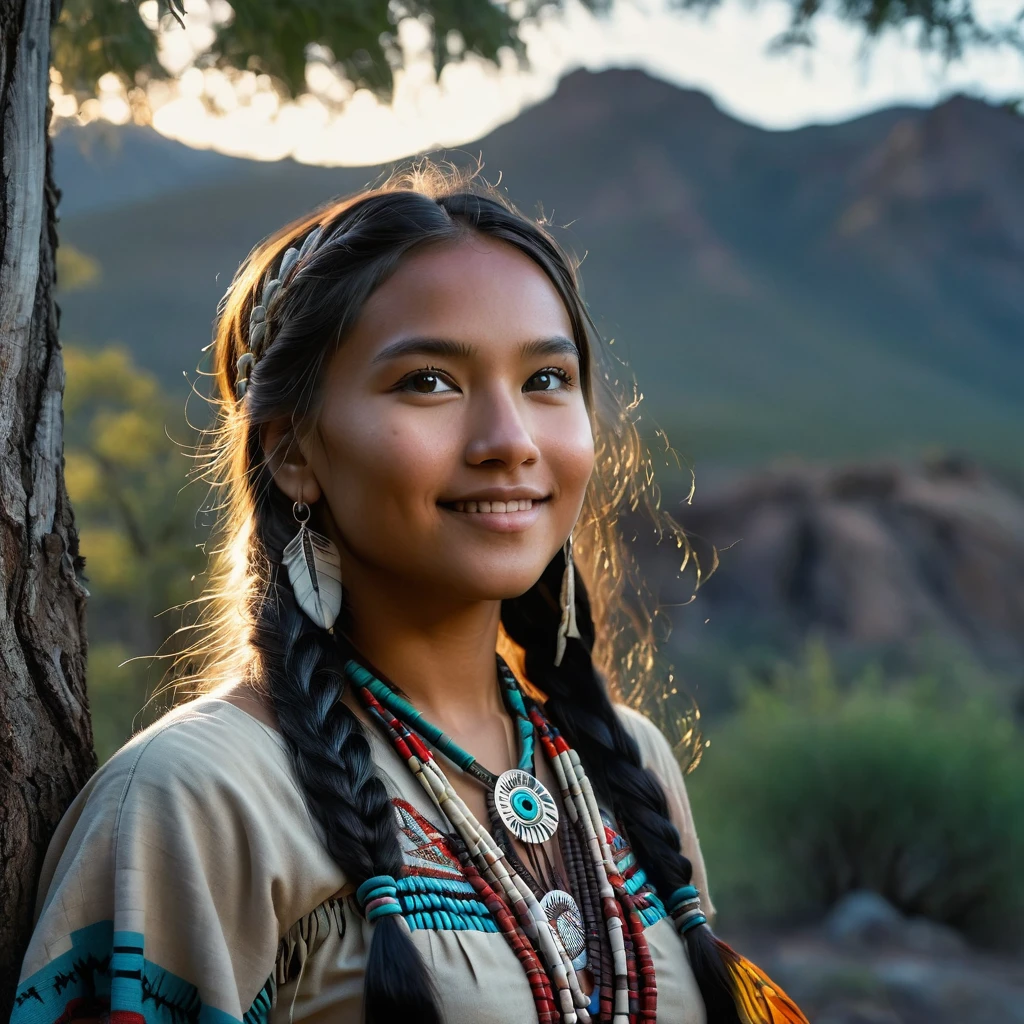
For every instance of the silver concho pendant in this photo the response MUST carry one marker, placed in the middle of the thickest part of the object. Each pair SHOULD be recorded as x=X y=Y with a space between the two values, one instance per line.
x=564 y=914
x=525 y=806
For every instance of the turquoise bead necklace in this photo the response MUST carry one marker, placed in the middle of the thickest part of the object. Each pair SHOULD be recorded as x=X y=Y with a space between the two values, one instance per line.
x=403 y=710
x=522 y=802
x=551 y=920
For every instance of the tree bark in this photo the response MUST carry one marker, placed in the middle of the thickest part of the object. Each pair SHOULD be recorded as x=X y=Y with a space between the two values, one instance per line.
x=46 y=749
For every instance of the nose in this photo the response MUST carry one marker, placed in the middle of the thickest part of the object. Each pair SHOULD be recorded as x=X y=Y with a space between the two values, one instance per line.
x=500 y=431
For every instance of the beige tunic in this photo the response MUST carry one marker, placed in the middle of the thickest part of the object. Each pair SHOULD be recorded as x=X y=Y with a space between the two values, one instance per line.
x=187 y=881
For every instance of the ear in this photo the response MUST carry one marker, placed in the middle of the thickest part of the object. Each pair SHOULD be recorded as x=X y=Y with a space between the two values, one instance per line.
x=288 y=464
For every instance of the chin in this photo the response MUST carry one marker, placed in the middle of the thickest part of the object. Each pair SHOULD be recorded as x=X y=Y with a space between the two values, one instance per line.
x=484 y=584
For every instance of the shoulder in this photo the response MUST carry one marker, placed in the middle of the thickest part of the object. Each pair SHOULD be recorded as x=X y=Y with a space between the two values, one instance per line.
x=205 y=766
x=656 y=754
x=201 y=746
x=203 y=788
x=193 y=836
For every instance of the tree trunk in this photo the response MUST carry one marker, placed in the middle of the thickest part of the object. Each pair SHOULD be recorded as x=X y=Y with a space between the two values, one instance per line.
x=46 y=751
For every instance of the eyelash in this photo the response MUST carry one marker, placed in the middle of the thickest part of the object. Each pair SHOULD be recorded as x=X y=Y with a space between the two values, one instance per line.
x=563 y=375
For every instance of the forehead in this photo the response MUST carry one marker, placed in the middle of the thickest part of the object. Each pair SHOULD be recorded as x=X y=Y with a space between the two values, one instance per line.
x=477 y=289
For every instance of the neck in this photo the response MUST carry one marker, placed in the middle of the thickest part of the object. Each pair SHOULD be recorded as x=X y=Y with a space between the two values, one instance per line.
x=444 y=664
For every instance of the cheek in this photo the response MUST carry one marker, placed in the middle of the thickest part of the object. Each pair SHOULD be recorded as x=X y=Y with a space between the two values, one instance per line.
x=575 y=446
x=570 y=453
x=382 y=470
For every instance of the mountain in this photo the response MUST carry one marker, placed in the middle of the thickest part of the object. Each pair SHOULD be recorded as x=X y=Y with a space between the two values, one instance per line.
x=103 y=166
x=833 y=291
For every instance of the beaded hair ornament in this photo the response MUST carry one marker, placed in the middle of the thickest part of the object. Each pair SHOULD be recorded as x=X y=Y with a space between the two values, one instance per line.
x=258 y=339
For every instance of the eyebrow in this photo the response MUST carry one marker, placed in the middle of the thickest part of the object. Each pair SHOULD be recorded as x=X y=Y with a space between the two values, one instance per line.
x=558 y=345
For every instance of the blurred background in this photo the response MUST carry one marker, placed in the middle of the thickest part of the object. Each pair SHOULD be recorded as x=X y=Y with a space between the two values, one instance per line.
x=808 y=247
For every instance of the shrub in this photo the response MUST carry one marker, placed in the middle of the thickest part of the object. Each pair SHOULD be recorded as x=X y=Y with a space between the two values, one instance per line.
x=809 y=792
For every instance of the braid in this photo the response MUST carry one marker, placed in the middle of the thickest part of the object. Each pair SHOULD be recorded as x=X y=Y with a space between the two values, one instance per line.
x=578 y=703
x=289 y=307
x=334 y=765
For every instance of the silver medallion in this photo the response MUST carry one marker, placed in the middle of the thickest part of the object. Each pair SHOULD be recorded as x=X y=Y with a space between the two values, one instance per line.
x=564 y=915
x=525 y=807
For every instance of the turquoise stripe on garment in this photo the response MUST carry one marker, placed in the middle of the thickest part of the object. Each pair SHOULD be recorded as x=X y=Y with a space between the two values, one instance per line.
x=83 y=970
x=437 y=901
x=635 y=882
x=259 y=1012
x=110 y=967
x=440 y=921
x=440 y=913
x=655 y=900
x=127 y=965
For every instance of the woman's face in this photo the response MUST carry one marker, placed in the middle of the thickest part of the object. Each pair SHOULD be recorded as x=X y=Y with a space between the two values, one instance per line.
x=459 y=383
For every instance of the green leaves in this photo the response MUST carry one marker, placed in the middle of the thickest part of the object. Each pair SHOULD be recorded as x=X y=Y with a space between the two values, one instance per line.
x=94 y=37
x=275 y=37
x=278 y=37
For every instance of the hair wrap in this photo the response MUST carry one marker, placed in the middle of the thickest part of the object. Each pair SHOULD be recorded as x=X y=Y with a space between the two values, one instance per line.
x=378 y=897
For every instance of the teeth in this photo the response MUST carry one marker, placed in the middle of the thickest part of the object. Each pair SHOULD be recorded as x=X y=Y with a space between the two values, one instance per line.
x=494 y=506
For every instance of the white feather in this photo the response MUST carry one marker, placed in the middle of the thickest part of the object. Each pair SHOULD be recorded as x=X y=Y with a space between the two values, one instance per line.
x=567 y=627
x=314 y=568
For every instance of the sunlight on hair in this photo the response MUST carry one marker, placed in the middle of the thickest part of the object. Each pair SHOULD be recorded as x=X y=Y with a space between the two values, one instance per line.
x=629 y=625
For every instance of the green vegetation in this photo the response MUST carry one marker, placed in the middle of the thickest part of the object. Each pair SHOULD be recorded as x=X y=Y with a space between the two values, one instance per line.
x=126 y=480
x=75 y=269
x=912 y=789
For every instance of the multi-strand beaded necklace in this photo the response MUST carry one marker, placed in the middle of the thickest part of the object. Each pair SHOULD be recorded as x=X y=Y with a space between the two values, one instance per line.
x=549 y=933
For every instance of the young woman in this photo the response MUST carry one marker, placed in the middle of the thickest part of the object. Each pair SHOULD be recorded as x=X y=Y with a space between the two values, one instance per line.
x=408 y=795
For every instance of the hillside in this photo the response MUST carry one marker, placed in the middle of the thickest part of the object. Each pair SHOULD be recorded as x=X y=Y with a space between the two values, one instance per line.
x=835 y=291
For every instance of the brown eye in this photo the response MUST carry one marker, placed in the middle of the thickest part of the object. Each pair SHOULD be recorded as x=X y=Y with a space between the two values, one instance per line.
x=424 y=382
x=552 y=378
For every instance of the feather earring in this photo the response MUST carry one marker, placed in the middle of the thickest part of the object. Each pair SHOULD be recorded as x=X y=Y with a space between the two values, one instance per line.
x=314 y=568
x=567 y=627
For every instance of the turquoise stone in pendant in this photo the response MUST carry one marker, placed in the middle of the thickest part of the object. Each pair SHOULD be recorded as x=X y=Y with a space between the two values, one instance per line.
x=525 y=806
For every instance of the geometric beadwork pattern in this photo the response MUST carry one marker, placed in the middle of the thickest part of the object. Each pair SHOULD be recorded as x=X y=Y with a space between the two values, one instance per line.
x=425 y=851
x=645 y=897
x=434 y=893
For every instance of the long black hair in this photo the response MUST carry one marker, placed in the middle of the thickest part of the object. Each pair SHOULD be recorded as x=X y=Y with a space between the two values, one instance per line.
x=254 y=628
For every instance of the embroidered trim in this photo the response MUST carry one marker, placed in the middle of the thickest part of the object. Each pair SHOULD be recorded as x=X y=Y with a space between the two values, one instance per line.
x=434 y=892
x=426 y=852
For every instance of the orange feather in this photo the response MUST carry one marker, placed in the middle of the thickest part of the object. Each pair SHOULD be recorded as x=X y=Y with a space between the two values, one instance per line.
x=759 y=999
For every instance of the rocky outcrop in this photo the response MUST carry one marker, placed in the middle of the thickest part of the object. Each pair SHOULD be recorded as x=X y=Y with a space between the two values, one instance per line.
x=873 y=556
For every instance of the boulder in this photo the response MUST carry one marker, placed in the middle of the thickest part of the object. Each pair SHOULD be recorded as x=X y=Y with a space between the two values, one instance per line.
x=863 y=917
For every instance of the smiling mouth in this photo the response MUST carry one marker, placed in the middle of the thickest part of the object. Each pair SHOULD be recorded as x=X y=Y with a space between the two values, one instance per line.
x=522 y=505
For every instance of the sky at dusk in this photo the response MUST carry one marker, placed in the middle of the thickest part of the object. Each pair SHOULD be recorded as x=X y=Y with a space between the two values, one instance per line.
x=726 y=54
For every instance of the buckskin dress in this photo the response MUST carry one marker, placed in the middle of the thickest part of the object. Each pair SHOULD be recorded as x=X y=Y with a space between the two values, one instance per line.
x=188 y=883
